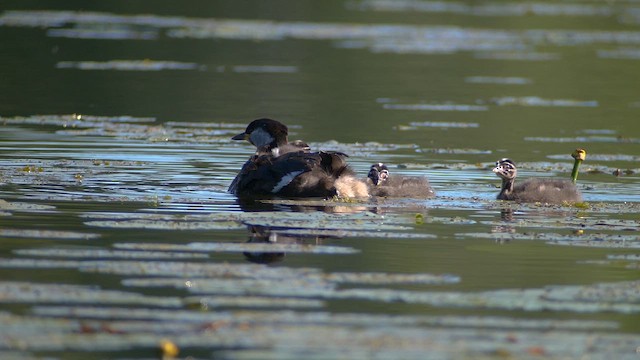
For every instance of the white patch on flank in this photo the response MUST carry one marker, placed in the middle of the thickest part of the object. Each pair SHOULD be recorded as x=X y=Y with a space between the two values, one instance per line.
x=288 y=178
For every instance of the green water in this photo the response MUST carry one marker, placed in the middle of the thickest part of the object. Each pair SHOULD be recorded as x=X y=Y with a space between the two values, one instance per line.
x=116 y=134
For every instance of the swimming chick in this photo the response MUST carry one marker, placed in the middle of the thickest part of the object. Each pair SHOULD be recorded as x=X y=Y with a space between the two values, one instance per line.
x=383 y=184
x=552 y=191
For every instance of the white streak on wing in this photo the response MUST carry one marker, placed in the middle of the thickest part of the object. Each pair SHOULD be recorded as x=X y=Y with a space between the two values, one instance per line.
x=285 y=181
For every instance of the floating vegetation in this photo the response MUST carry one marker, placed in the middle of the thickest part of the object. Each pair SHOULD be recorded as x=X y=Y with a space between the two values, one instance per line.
x=253 y=302
x=624 y=53
x=598 y=132
x=508 y=80
x=442 y=124
x=385 y=278
x=110 y=33
x=27 y=207
x=517 y=56
x=435 y=107
x=47 y=234
x=131 y=128
x=556 y=298
x=585 y=139
x=628 y=257
x=18 y=263
x=105 y=254
x=456 y=151
x=360 y=149
x=570 y=220
x=129 y=65
x=599 y=240
x=205 y=274
x=265 y=69
x=239 y=247
x=602 y=241
x=291 y=334
x=73 y=120
x=536 y=101
x=603 y=157
x=490 y=44
x=364 y=221
x=165 y=224
x=357 y=233
x=28 y=292
x=489 y=9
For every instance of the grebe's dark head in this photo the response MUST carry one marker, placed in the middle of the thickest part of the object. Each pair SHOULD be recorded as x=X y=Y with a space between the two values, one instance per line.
x=264 y=134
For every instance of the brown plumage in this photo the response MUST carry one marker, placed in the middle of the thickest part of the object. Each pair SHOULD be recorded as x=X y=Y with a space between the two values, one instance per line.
x=381 y=183
x=291 y=169
x=552 y=191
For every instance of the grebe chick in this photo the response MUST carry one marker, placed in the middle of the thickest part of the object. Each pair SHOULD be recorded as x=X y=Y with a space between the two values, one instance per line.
x=381 y=183
x=552 y=191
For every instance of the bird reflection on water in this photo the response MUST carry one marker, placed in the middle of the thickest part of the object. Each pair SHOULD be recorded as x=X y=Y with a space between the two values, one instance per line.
x=267 y=235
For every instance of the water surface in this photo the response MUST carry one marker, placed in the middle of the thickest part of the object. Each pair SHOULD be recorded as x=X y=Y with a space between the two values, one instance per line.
x=116 y=155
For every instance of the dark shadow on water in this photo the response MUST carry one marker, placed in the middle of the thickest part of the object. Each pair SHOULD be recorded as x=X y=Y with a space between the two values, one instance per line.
x=267 y=235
